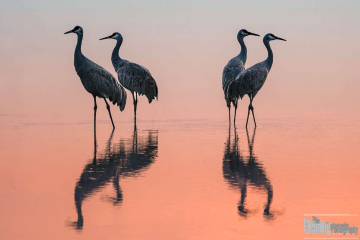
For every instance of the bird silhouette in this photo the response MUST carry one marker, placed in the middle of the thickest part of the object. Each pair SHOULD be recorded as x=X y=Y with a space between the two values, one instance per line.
x=241 y=172
x=234 y=67
x=96 y=80
x=134 y=77
x=128 y=158
x=251 y=80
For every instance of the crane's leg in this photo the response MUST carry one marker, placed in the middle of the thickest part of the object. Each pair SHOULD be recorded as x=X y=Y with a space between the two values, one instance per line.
x=95 y=108
x=135 y=104
x=228 y=103
x=236 y=103
x=136 y=101
x=252 y=110
x=108 y=108
x=247 y=119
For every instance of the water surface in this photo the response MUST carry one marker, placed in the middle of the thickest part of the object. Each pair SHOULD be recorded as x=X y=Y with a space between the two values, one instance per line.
x=179 y=179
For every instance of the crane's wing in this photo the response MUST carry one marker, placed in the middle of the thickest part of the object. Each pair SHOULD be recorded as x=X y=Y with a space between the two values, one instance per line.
x=138 y=79
x=250 y=80
x=230 y=72
x=107 y=86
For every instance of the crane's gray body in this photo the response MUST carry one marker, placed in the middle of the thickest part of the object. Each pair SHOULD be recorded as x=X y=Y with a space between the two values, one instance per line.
x=96 y=80
x=251 y=80
x=234 y=67
x=134 y=77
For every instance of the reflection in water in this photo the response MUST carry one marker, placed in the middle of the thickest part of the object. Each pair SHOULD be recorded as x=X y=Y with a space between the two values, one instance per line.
x=127 y=158
x=242 y=171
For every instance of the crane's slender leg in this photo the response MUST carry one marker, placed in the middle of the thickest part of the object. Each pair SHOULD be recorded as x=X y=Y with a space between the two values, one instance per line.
x=95 y=108
x=136 y=101
x=247 y=119
x=252 y=110
x=228 y=104
x=229 y=116
x=108 y=108
x=236 y=103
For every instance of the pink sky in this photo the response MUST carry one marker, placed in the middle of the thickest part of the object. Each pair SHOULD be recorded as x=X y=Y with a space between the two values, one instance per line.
x=185 y=46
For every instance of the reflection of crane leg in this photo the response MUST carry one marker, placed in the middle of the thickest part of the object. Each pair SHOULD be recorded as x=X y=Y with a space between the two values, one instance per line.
x=78 y=203
x=269 y=199
x=108 y=108
x=241 y=207
x=95 y=108
x=119 y=195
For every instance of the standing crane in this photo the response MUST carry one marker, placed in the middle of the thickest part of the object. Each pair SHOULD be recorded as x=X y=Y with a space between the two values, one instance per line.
x=96 y=80
x=234 y=67
x=132 y=76
x=252 y=79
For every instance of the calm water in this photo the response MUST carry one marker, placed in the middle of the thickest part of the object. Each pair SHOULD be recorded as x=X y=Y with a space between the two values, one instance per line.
x=175 y=179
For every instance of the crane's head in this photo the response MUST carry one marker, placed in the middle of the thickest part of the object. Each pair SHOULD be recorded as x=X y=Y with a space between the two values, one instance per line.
x=243 y=33
x=78 y=30
x=117 y=36
x=269 y=37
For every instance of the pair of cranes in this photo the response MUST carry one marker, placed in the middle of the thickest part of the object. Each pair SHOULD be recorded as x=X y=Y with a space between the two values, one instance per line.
x=237 y=82
x=100 y=83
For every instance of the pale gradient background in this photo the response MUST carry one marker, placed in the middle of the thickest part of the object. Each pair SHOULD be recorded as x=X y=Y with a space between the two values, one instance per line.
x=308 y=117
x=185 y=45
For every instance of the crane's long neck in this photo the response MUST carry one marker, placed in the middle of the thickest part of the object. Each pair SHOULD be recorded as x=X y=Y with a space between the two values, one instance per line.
x=243 y=52
x=78 y=52
x=115 y=57
x=269 y=60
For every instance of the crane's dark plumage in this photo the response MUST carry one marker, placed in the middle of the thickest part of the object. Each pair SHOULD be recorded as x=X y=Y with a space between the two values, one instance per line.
x=137 y=79
x=234 y=67
x=96 y=80
x=251 y=80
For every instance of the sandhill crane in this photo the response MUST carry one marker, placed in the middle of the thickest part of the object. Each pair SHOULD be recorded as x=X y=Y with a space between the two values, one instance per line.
x=132 y=76
x=252 y=79
x=128 y=158
x=235 y=66
x=96 y=80
x=243 y=172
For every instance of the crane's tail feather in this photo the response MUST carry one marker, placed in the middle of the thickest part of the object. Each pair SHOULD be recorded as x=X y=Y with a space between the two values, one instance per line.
x=118 y=97
x=232 y=92
x=150 y=90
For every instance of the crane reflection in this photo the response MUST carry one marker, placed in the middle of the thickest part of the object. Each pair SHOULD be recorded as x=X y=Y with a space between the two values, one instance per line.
x=127 y=158
x=242 y=172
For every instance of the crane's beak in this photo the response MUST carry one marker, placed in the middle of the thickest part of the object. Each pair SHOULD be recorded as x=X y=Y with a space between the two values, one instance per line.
x=280 y=38
x=250 y=33
x=105 y=38
x=69 y=31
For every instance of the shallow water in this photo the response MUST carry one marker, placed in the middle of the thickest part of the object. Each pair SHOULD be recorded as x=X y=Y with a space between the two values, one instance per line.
x=181 y=179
